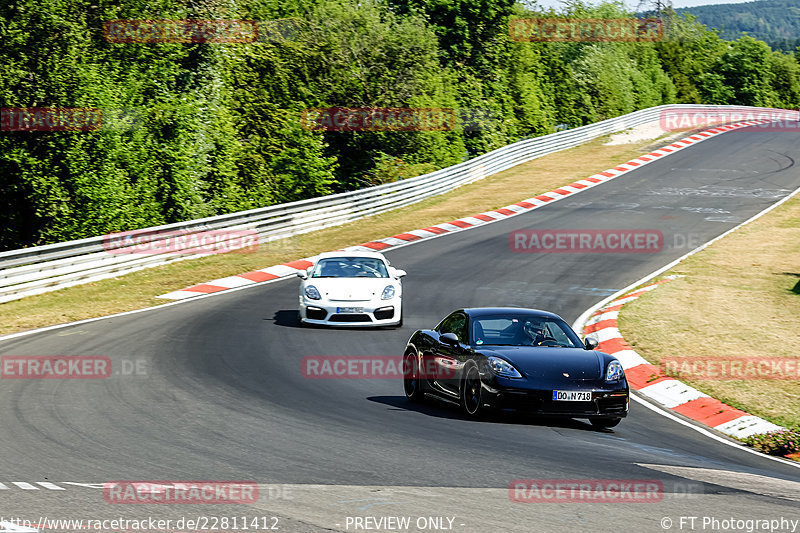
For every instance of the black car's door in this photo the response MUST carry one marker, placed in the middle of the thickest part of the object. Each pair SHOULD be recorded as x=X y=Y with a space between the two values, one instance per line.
x=443 y=366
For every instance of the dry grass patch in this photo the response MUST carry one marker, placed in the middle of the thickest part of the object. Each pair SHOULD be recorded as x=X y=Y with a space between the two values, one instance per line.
x=139 y=289
x=740 y=298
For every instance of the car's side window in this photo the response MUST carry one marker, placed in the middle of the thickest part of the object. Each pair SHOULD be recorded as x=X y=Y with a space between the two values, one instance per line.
x=455 y=323
x=462 y=332
x=444 y=326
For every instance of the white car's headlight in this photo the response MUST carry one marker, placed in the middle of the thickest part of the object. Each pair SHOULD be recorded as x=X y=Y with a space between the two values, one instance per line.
x=313 y=293
x=501 y=367
x=614 y=371
x=388 y=293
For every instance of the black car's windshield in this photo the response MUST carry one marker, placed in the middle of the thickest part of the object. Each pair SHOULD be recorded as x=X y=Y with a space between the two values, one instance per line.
x=350 y=267
x=523 y=330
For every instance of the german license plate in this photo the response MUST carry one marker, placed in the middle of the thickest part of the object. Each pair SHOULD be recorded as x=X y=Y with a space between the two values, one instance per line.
x=349 y=309
x=572 y=396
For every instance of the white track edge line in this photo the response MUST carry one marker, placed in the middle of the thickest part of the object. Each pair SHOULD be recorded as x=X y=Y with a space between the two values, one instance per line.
x=578 y=326
x=708 y=433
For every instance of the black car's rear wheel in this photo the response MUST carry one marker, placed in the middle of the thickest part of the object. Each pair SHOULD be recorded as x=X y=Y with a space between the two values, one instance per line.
x=471 y=392
x=411 y=378
x=605 y=422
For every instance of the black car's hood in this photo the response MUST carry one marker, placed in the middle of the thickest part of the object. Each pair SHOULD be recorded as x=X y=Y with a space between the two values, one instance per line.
x=538 y=362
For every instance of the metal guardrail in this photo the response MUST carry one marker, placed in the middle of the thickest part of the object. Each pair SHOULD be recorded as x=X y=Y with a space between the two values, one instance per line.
x=39 y=269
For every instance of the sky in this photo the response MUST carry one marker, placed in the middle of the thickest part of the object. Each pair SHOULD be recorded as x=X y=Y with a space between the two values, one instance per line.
x=632 y=4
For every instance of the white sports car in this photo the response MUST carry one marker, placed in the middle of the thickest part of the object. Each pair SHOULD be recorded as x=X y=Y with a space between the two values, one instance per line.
x=351 y=289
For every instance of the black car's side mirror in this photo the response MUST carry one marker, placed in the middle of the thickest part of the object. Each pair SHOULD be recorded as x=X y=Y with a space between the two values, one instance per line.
x=590 y=343
x=449 y=338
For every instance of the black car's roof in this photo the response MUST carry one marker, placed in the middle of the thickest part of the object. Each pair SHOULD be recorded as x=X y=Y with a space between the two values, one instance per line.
x=485 y=311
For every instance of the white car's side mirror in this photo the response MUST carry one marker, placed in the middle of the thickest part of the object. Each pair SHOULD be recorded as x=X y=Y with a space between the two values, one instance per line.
x=305 y=274
x=399 y=273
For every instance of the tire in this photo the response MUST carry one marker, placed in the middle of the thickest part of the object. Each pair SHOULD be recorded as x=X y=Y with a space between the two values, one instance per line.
x=605 y=422
x=411 y=382
x=472 y=393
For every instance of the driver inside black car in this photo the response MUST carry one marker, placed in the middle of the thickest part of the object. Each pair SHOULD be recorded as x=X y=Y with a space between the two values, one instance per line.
x=534 y=333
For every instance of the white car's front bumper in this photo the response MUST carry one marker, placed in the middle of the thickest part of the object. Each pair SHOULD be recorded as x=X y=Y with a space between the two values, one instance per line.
x=356 y=314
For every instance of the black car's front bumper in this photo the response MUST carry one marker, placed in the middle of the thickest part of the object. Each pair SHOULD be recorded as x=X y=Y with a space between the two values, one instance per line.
x=607 y=402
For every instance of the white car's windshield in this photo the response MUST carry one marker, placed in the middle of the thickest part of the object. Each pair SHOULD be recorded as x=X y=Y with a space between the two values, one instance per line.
x=350 y=267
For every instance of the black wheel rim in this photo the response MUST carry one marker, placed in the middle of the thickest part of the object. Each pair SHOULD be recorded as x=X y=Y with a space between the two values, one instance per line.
x=472 y=391
x=410 y=379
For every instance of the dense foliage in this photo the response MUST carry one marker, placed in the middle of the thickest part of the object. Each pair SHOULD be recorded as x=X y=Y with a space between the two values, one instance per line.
x=776 y=22
x=216 y=127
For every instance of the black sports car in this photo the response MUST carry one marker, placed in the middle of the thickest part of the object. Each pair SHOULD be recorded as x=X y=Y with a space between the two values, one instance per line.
x=510 y=358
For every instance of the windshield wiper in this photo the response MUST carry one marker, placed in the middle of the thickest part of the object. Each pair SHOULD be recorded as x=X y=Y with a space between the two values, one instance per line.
x=495 y=344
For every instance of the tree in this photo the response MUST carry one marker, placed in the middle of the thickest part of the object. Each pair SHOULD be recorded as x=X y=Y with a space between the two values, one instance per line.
x=745 y=69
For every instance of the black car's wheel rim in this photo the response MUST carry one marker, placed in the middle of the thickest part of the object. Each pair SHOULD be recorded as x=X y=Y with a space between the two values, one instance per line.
x=410 y=383
x=472 y=391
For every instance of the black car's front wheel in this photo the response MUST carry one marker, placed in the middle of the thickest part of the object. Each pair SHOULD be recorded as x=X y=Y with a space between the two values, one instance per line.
x=411 y=378
x=605 y=422
x=472 y=392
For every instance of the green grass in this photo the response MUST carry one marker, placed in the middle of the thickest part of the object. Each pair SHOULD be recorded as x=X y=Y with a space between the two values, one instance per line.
x=739 y=298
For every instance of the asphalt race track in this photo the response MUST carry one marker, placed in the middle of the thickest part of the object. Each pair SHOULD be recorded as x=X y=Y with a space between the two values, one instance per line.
x=218 y=392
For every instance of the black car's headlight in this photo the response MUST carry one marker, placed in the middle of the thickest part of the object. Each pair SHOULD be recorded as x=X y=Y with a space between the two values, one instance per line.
x=313 y=293
x=614 y=371
x=388 y=293
x=503 y=368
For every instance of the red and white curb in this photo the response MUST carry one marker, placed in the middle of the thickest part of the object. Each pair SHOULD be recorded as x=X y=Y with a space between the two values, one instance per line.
x=290 y=269
x=650 y=381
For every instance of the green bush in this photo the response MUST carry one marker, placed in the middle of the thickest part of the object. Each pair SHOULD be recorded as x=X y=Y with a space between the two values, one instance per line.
x=781 y=442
